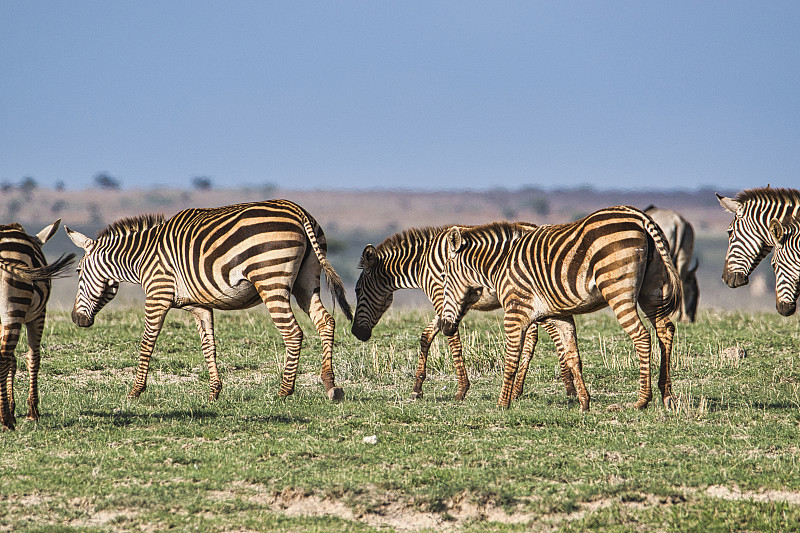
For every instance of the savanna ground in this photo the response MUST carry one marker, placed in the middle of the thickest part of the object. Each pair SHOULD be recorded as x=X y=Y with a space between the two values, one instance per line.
x=725 y=460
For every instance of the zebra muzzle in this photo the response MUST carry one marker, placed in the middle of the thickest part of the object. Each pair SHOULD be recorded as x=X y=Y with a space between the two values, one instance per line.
x=362 y=333
x=82 y=320
x=734 y=279
x=786 y=308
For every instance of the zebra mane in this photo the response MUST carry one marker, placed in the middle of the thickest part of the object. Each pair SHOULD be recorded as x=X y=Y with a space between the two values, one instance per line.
x=131 y=225
x=13 y=225
x=501 y=226
x=409 y=237
x=779 y=195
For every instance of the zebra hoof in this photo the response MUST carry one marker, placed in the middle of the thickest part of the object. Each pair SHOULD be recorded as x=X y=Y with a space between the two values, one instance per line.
x=336 y=394
x=670 y=404
x=417 y=395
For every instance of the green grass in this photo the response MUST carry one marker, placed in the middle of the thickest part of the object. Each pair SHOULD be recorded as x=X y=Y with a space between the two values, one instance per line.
x=725 y=460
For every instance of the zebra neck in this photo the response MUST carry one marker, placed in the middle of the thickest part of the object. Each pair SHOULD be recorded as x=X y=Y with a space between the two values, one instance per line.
x=404 y=267
x=125 y=258
x=487 y=263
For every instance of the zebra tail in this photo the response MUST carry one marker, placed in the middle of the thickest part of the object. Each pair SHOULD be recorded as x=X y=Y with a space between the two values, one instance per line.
x=56 y=269
x=673 y=302
x=333 y=280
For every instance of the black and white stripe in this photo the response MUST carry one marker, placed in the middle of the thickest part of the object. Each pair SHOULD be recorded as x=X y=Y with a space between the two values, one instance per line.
x=614 y=257
x=749 y=239
x=786 y=262
x=415 y=259
x=228 y=258
x=24 y=291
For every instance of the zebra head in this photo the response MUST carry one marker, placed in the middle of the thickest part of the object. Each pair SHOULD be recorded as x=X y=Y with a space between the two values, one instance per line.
x=459 y=293
x=95 y=286
x=374 y=295
x=786 y=262
x=746 y=244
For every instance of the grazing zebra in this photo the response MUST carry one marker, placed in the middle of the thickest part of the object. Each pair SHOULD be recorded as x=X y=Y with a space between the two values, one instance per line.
x=616 y=257
x=680 y=237
x=749 y=239
x=24 y=290
x=786 y=262
x=414 y=259
x=231 y=257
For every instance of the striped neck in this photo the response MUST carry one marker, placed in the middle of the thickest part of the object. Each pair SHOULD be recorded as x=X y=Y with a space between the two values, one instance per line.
x=405 y=256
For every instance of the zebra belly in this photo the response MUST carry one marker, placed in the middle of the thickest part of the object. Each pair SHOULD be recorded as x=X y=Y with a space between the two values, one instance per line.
x=588 y=301
x=240 y=296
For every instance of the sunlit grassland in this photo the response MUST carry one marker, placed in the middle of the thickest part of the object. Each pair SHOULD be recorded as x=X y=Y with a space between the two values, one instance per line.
x=725 y=459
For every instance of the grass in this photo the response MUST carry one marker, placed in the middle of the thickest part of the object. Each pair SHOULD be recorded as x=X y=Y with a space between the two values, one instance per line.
x=726 y=459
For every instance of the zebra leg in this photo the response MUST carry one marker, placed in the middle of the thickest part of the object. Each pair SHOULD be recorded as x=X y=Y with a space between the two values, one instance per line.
x=34 y=329
x=425 y=341
x=625 y=310
x=457 y=350
x=557 y=338
x=154 y=314
x=566 y=341
x=514 y=337
x=665 y=332
x=325 y=325
x=531 y=338
x=280 y=310
x=204 y=319
x=8 y=368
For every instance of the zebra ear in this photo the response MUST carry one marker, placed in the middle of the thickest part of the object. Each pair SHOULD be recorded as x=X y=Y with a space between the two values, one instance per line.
x=777 y=231
x=369 y=257
x=80 y=240
x=44 y=235
x=454 y=240
x=729 y=204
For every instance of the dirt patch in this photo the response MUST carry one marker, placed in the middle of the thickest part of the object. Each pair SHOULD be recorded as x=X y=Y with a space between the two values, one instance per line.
x=734 y=494
x=381 y=511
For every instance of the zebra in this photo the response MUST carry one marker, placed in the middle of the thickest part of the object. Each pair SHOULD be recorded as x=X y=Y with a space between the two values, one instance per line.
x=786 y=262
x=414 y=259
x=226 y=258
x=614 y=257
x=680 y=237
x=749 y=240
x=24 y=290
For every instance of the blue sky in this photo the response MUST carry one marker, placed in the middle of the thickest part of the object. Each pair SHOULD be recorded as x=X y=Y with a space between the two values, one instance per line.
x=420 y=95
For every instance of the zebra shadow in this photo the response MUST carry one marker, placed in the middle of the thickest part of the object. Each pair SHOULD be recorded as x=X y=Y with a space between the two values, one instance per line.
x=120 y=418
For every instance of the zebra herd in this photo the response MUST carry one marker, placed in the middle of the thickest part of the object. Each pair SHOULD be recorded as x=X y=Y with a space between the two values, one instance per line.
x=238 y=256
